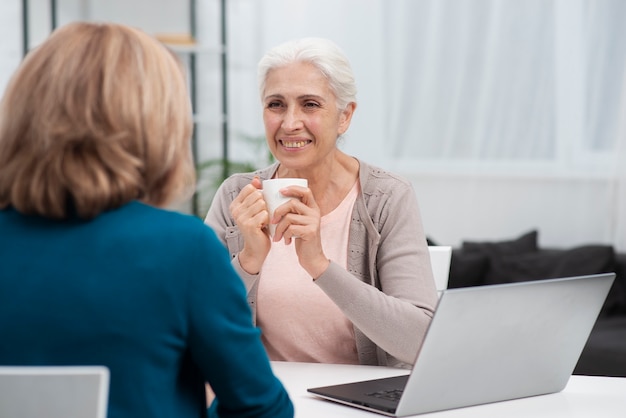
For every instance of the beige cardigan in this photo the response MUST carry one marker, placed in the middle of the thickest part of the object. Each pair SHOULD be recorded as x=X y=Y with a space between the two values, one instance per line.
x=388 y=290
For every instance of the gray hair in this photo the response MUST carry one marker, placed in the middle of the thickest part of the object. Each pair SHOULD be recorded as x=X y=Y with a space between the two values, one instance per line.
x=323 y=54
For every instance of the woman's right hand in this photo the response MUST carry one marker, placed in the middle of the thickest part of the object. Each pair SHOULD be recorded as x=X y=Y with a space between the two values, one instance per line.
x=251 y=216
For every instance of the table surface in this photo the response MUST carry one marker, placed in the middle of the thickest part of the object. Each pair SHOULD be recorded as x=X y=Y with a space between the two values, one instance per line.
x=583 y=397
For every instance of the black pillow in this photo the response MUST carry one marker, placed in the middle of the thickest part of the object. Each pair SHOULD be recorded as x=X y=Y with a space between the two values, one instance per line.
x=524 y=244
x=549 y=264
x=470 y=264
x=467 y=269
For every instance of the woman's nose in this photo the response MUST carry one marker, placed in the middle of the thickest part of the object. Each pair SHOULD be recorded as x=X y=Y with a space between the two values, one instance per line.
x=292 y=120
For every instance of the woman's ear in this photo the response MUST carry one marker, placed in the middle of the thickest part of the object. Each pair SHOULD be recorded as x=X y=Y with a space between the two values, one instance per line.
x=346 y=117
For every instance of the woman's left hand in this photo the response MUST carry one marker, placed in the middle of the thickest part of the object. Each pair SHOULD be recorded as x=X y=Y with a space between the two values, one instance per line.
x=300 y=221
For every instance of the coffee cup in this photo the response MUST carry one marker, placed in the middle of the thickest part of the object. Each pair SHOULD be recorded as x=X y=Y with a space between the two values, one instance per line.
x=273 y=197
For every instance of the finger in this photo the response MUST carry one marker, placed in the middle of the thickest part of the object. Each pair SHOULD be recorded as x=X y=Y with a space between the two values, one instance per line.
x=304 y=194
x=249 y=204
x=290 y=234
x=244 y=193
x=295 y=226
x=309 y=200
x=256 y=182
x=293 y=206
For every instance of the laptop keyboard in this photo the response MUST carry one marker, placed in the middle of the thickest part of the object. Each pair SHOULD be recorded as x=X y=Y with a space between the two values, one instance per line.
x=390 y=395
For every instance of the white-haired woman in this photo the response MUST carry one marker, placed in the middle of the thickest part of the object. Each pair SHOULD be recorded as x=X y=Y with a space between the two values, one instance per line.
x=346 y=278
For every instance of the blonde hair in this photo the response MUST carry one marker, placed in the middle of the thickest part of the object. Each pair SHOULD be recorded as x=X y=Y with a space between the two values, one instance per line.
x=96 y=116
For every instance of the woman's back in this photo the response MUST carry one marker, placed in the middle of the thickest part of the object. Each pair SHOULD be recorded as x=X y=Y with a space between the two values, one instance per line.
x=146 y=292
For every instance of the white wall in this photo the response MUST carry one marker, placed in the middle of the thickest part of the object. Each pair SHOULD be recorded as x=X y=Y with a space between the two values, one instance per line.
x=505 y=207
x=11 y=45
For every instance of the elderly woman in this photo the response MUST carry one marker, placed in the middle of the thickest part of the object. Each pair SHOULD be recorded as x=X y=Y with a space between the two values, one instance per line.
x=346 y=278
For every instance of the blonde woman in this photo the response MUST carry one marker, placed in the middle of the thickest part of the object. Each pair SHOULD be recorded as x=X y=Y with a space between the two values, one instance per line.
x=94 y=143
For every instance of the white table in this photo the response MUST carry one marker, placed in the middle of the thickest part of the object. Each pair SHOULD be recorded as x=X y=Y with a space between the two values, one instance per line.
x=584 y=396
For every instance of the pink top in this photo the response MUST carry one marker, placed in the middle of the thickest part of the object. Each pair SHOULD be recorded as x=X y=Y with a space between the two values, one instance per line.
x=298 y=320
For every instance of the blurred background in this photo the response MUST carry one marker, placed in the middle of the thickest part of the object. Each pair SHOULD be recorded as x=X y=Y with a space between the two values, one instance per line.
x=506 y=115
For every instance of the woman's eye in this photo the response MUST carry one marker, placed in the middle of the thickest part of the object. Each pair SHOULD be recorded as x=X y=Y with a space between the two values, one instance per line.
x=311 y=105
x=272 y=105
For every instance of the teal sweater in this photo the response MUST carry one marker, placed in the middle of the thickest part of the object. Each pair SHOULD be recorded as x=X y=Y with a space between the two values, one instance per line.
x=150 y=294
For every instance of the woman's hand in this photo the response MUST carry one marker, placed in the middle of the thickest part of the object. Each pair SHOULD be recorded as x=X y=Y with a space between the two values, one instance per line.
x=300 y=219
x=251 y=216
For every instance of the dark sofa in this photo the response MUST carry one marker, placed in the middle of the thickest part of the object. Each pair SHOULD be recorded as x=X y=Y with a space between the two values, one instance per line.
x=521 y=259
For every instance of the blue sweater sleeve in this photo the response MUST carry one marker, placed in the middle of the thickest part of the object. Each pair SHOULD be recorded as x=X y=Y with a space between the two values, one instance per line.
x=224 y=342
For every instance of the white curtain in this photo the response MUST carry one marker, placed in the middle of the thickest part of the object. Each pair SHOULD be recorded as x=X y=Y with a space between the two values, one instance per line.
x=510 y=115
x=472 y=80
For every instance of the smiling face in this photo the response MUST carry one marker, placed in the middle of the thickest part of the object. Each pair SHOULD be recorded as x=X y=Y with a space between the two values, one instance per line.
x=302 y=122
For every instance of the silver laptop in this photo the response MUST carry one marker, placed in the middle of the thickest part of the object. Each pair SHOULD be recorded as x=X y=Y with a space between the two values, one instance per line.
x=488 y=344
x=54 y=391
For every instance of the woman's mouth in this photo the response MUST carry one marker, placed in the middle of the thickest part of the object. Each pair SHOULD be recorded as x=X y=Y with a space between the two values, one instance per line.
x=294 y=144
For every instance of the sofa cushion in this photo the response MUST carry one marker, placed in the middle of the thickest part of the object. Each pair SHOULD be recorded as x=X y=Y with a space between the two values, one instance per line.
x=550 y=264
x=526 y=243
x=467 y=269
x=470 y=264
x=547 y=264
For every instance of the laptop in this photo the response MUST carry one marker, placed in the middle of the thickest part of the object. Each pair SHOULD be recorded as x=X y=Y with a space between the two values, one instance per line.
x=54 y=391
x=488 y=344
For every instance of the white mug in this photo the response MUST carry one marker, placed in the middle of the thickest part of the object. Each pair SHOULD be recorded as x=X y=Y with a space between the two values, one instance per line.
x=273 y=198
